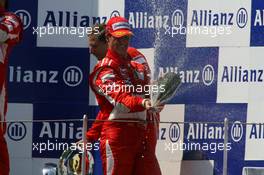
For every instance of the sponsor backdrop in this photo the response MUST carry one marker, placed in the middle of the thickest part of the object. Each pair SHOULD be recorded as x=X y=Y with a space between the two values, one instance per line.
x=215 y=46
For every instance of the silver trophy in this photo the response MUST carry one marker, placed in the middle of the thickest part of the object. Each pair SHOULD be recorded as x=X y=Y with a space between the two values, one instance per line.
x=50 y=169
x=70 y=163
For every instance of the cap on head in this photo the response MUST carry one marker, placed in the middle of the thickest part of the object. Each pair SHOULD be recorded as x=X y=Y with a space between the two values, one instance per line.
x=118 y=27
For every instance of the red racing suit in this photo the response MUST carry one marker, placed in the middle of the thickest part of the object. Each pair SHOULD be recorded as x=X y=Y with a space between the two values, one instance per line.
x=10 y=34
x=142 y=77
x=125 y=146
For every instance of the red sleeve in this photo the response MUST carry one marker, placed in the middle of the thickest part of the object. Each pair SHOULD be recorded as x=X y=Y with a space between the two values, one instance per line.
x=3 y=96
x=2 y=74
x=110 y=85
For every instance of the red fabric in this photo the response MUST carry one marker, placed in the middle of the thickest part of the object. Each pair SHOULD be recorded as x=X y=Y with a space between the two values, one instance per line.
x=125 y=139
x=4 y=158
x=94 y=132
x=12 y=25
x=127 y=152
x=112 y=65
x=15 y=34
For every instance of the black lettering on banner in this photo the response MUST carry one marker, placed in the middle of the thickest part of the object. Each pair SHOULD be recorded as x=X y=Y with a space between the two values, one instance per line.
x=231 y=15
x=260 y=76
x=162 y=137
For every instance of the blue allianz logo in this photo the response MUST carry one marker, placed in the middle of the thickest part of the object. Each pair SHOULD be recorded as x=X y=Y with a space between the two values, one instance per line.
x=237 y=131
x=147 y=20
x=16 y=131
x=208 y=75
x=205 y=76
x=210 y=17
x=71 y=19
x=177 y=18
x=72 y=76
x=174 y=132
x=25 y=17
x=242 y=17
x=241 y=74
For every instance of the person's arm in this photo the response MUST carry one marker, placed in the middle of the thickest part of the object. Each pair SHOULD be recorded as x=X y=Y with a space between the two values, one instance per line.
x=2 y=91
x=109 y=84
x=10 y=29
x=140 y=64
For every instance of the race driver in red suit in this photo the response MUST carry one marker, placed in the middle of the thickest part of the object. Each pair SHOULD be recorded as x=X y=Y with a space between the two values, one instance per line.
x=98 y=47
x=10 y=34
x=125 y=148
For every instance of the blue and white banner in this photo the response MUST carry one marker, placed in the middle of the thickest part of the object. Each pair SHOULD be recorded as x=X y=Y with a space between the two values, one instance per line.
x=218 y=23
x=197 y=68
x=215 y=46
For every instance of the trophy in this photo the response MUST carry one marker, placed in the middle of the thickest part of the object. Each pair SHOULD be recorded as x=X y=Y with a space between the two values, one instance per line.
x=50 y=169
x=70 y=163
